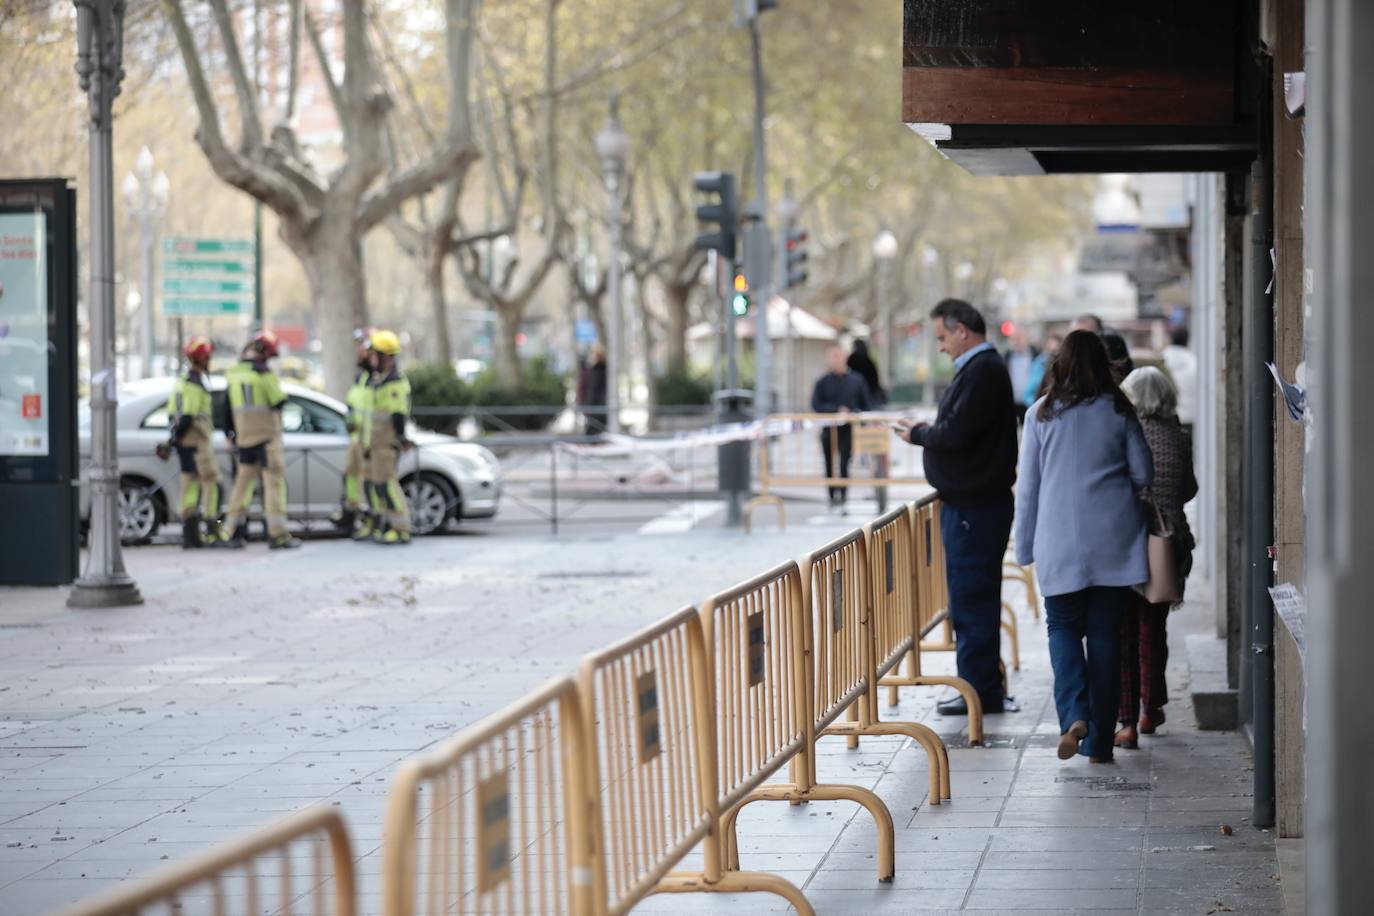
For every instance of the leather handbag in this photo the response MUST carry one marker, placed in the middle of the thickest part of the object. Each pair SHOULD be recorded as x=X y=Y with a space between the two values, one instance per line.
x=1162 y=587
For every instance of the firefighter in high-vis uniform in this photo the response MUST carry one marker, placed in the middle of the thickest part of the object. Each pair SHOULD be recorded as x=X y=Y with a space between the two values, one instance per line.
x=191 y=434
x=254 y=425
x=359 y=400
x=386 y=440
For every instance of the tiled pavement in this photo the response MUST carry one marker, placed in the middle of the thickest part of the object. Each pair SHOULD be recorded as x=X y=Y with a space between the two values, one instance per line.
x=238 y=693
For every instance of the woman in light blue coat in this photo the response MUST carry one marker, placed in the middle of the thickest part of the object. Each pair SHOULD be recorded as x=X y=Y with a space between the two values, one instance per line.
x=1079 y=519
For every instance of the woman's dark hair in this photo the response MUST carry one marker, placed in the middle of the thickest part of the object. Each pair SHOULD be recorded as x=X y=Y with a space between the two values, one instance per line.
x=1118 y=355
x=1079 y=373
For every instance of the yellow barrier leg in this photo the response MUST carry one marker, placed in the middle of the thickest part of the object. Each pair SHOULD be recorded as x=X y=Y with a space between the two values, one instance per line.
x=1009 y=624
x=971 y=698
x=852 y=741
x=882 y=818
x=936 y=753
x=736 y=882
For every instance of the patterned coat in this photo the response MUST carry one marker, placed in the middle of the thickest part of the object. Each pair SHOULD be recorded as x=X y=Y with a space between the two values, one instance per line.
x=1174 y=484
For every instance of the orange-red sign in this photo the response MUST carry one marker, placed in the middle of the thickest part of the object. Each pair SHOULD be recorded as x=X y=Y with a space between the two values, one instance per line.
x=31 y=408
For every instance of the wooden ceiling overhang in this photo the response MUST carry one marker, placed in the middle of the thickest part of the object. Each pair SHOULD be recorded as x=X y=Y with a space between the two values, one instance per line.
x=1028 y=87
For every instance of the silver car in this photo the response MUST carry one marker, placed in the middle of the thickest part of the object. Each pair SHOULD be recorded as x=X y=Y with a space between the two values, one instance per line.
x=445 y=479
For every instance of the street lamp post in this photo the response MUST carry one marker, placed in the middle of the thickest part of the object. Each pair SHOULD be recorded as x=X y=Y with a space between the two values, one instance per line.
x=884 y=251
x=613 y=146
x=146 y=195
x=787 y=215
x=99 y=65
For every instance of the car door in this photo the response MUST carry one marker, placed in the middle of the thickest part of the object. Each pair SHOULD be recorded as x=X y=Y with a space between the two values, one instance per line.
x=316 y=439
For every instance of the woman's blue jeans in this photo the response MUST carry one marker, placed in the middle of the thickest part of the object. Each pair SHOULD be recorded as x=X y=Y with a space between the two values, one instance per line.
x=1087 y=688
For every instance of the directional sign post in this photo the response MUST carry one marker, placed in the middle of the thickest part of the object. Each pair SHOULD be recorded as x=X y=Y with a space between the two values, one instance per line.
x=207 y=276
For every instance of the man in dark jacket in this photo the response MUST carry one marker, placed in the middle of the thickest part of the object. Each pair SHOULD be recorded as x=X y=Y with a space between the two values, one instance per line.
x=838 y=391
x=970 y=459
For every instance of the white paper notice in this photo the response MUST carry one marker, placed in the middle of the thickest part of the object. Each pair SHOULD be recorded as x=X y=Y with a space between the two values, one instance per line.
x=1291 y=605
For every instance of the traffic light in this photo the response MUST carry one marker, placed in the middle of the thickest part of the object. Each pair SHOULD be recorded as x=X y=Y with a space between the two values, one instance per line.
x=796 y=274
x=723 y=212
x=739 y=303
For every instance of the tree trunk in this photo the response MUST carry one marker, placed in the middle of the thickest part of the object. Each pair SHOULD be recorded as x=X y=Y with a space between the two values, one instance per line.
x=678 y=297
x=646 y=338
x=438 y=302
x=507 y=349
x=333 y=259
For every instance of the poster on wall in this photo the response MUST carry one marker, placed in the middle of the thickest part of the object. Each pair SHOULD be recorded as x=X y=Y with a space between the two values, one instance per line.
x=24 y=402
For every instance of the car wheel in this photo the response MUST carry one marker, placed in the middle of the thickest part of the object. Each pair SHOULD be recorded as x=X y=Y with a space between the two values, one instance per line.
x=140 y=514
x=432 y=502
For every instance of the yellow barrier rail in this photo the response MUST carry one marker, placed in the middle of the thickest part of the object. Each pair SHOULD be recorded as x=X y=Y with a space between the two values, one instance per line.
x=651 y=733
x=826 y=570
x=767 y=697
x=302 y=864
x=497 y=819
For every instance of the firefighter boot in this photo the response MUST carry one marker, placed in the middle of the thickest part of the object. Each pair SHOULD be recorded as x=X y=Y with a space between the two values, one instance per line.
x=190 y=534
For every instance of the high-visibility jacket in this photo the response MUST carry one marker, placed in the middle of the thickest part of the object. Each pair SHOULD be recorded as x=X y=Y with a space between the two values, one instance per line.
x=359 y=402
x=390 y=410
x=255 y=401
x=188 y=406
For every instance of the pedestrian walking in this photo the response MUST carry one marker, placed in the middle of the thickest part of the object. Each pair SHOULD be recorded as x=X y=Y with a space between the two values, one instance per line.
x=253 y=425
x=192 y=432
x=1118 y=355
x=1021 y=358
x=970 y=459
x=1144 y=626
x=386 y=439
x=838 y=391
x=1087 y=322
x=861 y=363
x=593 y=388
x=1084 y=463
x=352 y=513
x=1182 y=365
x=1035 y=382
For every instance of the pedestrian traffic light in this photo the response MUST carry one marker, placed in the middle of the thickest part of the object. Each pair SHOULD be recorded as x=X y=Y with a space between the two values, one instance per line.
x=740 y=301
x=795 y=274
x=723 y=212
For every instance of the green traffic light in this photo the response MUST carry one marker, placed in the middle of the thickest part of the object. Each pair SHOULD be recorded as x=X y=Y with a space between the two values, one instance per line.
x=740 y=304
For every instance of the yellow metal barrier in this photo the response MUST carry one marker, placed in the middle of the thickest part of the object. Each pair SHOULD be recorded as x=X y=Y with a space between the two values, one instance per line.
x=1014 y=572
x=651 y=736
x=929 y=607
x=884 y=627
x=302 y=864
x=768 y=694
x=497 y=819
x=795 y=459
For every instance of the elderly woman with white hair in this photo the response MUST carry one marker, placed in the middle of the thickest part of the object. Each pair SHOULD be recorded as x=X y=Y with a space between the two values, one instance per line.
x=1144 y=634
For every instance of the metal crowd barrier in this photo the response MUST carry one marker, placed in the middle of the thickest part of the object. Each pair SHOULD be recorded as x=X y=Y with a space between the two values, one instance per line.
x=797 y=460
x=495 y=820
x=652 y=739
x=582 y=798
x=768 y=704
x=841 y=576
x=260 y=872
x=923 y=607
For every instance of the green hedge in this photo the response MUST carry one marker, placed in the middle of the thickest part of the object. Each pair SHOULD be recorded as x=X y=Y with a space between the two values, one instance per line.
x=438 y=385
x=539 y=386
x=682 y=389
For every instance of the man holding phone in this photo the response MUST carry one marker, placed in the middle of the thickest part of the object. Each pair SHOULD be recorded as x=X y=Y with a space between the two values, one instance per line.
x=970 y=459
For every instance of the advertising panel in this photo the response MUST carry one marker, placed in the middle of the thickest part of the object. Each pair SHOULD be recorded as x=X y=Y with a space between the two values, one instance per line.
x=24 y=397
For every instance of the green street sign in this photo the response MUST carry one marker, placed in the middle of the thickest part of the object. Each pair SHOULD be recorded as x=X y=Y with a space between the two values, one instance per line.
x=204 y=286
x=179 y=245
x=184 y=265
x=207 y=306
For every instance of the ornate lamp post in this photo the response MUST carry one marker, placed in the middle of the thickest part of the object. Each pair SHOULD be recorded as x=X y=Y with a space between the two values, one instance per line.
x=99 y=65
x=613 y=146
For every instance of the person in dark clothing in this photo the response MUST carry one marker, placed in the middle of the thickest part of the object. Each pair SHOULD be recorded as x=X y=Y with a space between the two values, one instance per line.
x=592 y=387
x=970 y=459
x=838 y=391
x=862 y=364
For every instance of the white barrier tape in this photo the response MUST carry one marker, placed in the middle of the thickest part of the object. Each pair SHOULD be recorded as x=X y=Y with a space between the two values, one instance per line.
x=726 y=433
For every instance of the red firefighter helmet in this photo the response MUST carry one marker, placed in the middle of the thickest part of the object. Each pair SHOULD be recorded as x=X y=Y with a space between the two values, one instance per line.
x=198 y=349
x=264 y=342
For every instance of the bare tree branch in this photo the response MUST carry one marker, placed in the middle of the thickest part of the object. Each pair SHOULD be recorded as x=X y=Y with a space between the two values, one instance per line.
x=244 y=90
